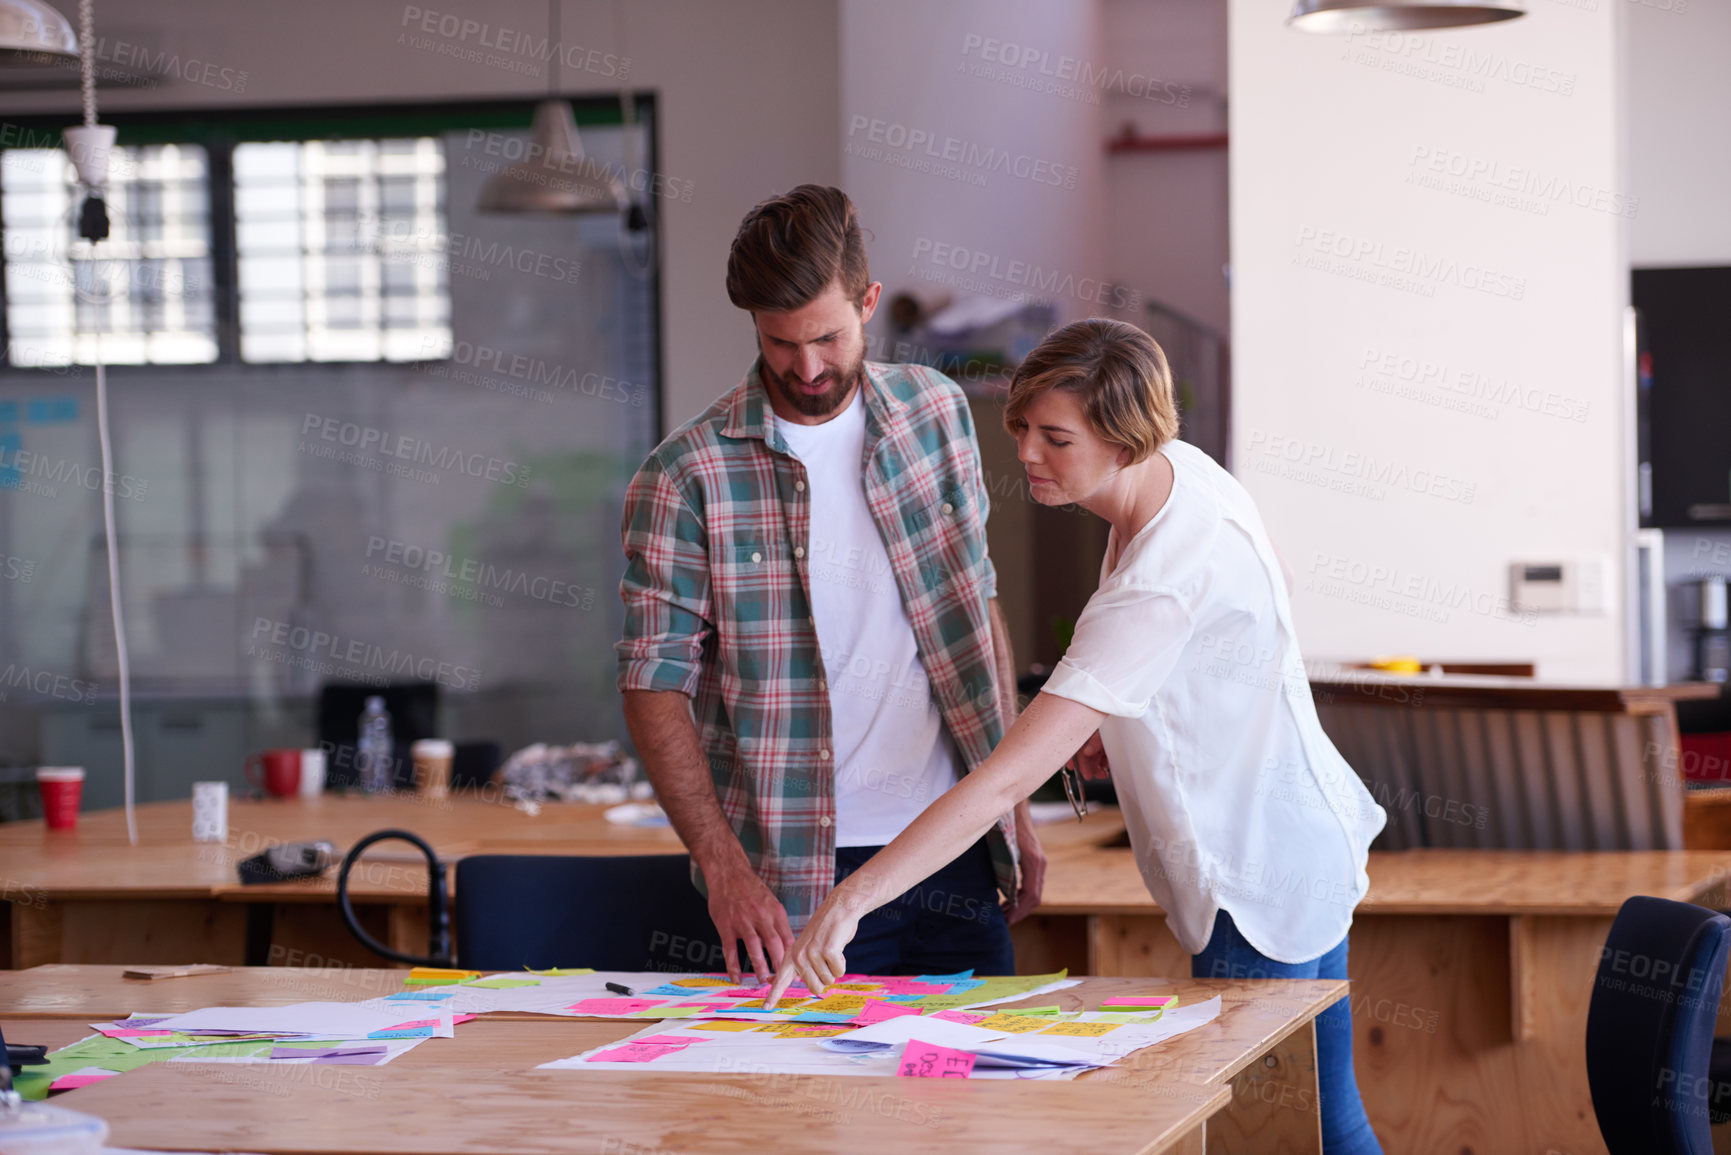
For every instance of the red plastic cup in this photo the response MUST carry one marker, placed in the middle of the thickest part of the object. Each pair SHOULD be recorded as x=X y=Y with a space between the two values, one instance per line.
x=62 y=787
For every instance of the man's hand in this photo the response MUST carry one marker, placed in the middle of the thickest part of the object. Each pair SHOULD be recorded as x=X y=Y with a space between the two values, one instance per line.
x=1033 y=862
x=1090 y=760
x=745 y=910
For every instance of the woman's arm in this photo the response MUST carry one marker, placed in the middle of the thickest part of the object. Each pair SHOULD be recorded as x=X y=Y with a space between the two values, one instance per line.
x=1043 y=738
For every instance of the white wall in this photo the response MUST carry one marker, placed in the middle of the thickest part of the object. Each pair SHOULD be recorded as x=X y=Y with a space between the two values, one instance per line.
x=1523 y=290
x=1679 y=103
x=923 y=132
x=747 y=94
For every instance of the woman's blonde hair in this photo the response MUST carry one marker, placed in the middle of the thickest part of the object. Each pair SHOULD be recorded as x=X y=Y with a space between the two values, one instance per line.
x=1117 y=371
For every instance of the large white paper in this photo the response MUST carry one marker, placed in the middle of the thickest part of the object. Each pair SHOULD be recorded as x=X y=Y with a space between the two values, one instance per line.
x=334 y=1020
x=894 y=1032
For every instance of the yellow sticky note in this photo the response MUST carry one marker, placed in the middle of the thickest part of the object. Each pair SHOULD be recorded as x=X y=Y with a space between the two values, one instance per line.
x=809 y=1032
x=1013 y=1024
x=723 y=1025
x=782 y=1005
x=1090 y=1030
x=855 y=987
x=440 y=975
x=564 y=971
x=835 y=1004
x=701 y=983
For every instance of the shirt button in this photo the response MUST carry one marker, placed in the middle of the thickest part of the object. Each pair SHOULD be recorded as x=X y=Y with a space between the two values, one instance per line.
x=799 y=487
x=948 y=508
x=756 y=557
x=825 y=821
x=799 y=551
x=823 y=755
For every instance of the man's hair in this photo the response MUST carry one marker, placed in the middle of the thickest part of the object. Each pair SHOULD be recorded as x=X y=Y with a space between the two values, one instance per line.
x=791 y=247
x=1116 y=370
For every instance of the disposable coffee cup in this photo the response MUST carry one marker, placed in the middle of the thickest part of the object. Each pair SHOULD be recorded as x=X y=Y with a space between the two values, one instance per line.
x=210 y=811
x=433 y=767
x=62 y=790
x=312 y=772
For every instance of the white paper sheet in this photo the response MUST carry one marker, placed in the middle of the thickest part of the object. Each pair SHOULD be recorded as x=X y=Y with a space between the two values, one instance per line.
x=332 y=1020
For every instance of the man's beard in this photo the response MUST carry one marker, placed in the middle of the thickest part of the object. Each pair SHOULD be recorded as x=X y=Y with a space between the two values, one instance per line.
x=822 y=404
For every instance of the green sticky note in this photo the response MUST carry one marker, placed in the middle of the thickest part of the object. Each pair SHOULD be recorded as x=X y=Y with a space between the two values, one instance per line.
x=1031 y=1010
x=502 y=983
x=564 y=971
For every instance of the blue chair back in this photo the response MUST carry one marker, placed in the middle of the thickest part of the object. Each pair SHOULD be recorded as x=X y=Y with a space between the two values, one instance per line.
x=1650 y=1027
x=638 y=913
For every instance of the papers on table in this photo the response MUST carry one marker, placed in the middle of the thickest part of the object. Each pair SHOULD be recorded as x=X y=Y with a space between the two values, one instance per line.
x=698 y=996
x=1041 y=1047
x=332 y=1020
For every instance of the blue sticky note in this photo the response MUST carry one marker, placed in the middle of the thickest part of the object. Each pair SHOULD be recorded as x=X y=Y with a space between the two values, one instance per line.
x=955 y=978
x=417 y=1033
x=671 y=991
x=821 y=1017
x=965 y=986
x=899 y=998
x=418 y=996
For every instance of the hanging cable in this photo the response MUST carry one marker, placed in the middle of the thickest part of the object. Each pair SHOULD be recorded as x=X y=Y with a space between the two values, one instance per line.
x=90 y=150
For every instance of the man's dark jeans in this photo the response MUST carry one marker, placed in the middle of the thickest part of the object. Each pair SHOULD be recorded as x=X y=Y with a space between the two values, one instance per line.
x=950 y=922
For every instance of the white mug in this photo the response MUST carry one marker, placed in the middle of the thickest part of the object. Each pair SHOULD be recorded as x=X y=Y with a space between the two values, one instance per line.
x=312 y=773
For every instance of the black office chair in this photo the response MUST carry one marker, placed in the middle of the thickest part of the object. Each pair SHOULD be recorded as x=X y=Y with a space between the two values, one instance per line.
x=1650 y=1028
x=635 y=913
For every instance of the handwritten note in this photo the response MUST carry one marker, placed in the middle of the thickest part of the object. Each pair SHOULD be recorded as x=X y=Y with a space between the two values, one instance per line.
x=877 y=1010
x=1012 y=1024
x=613 y=1008
x=635 y=1053
x=969 y=1017
x=930 y=1061
x=1081 y=1030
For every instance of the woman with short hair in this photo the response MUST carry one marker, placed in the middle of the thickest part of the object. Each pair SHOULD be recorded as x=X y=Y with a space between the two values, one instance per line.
x=1184 y=677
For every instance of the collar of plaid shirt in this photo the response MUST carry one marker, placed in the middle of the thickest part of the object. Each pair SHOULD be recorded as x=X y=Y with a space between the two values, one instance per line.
x=759 y=695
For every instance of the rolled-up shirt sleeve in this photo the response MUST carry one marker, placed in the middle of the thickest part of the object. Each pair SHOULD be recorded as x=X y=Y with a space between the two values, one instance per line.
x=1126 y=644
x=666 y=587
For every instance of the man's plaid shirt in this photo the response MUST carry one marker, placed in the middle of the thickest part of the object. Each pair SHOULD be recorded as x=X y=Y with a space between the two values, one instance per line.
x=717 y=539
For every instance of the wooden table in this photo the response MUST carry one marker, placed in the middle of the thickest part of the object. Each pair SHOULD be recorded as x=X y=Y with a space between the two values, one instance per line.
x=86 y=895
x=1245 y=1082
x=1471 y=974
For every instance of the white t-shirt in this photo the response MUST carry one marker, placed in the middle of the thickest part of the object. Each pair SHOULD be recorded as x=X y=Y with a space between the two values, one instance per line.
x=893 y=754
x=1232 y=794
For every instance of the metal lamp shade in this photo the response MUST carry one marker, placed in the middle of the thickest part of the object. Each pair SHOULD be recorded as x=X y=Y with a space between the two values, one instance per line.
x=557 y=177
x=32 y=33
x=1397 y=15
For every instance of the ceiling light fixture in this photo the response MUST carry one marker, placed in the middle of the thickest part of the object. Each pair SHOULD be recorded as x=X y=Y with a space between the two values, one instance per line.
x=556 y=177
x=1397 y=15
x=34 y=34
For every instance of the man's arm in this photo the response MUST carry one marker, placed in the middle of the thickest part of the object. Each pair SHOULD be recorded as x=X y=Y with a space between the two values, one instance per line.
x=742 y=907
x=1030 y=854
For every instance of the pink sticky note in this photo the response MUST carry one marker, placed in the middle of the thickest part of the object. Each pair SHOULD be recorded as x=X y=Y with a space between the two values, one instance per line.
x=613 y=1008
x=662 y=1041
x=123 y=1033
x=968 y=1017
x=877 y=1010
x=930 y=1061
x=1143 y=1002
x=707 y=1006
x=80 y=1079
x=910 y=987
x=634 y=1053
x=455 y=1019
x=417 y=1025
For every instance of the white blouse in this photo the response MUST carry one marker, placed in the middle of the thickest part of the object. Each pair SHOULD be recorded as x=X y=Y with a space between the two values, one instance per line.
x=1232 y=794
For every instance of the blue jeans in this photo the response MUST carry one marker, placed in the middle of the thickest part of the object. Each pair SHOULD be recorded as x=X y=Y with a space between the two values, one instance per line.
x=1345 y=1130
x=950 y=922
